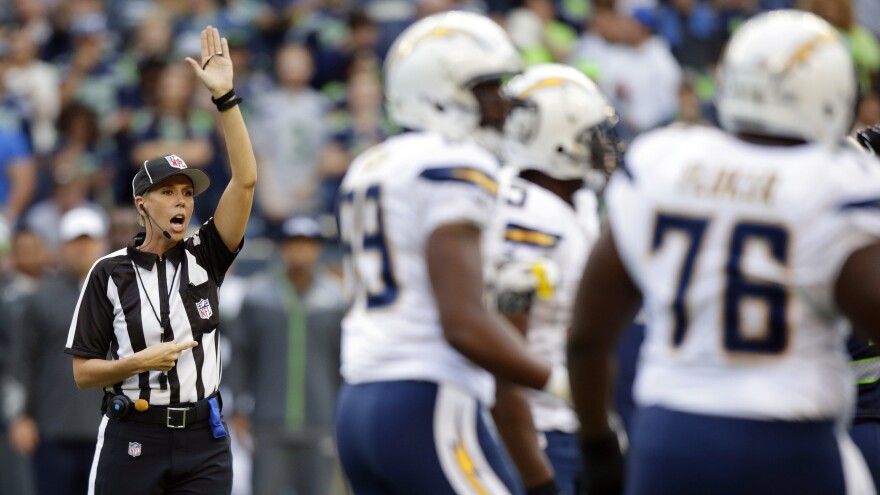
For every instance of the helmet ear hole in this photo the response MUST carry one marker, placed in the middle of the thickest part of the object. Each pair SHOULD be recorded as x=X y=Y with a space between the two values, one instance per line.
x=560 y=149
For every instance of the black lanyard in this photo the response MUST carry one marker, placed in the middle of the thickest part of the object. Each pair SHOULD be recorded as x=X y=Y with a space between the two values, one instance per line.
x=165 y=320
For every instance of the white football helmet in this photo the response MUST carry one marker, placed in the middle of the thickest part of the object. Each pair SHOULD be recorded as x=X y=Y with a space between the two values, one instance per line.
x=433 y=64
x=560 y=125
x=788 y=74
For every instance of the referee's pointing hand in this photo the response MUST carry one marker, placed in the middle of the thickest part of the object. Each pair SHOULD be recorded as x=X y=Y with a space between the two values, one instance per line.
x=162 y=356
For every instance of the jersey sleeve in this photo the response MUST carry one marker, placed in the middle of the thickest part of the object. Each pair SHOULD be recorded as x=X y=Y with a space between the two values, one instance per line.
x=848 y=220
x=91 y=329
x=211 y=252
x=455 y=194
x=626 y=208
x=526 y=263
x=837 y=232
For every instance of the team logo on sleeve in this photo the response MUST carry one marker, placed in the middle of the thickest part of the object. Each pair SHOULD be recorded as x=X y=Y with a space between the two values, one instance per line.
x=175 y=161
x=204 y=307
x=134 y=449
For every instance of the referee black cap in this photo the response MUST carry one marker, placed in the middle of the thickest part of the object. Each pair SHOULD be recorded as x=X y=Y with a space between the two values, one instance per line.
x=156 y=170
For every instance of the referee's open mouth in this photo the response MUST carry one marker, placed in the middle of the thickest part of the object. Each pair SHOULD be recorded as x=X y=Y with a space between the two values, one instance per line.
x=177 y=223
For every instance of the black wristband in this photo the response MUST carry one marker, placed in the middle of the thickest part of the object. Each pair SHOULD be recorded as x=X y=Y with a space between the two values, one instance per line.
x=229 y=104
x=223 y=99
x=548 y=488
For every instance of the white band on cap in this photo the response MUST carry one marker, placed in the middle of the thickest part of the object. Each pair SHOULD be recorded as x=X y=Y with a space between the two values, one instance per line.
x=147 y=169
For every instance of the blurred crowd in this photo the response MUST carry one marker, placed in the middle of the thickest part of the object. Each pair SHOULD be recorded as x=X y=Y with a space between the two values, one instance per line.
x=89 y=90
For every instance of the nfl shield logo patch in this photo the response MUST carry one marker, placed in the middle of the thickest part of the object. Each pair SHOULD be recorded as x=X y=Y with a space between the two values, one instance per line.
x=134 y=449
x=176 y=161
x=204 y=307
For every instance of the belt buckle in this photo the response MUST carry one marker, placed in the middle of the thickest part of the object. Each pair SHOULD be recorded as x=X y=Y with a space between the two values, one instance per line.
x=170 y=418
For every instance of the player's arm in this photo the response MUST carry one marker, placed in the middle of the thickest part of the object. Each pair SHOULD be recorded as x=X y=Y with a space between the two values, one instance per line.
x=857 y=290
x=607 y=301
x=97 y=372
x=234 y=207
x=512 y=414
x=513 y=418
x=455 y=268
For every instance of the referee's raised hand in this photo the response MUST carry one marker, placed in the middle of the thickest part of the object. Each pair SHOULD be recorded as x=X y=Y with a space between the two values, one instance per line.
x=215 y=68
x=162 y=356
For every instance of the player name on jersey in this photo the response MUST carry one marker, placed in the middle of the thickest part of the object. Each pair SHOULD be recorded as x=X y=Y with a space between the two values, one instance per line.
x=727 y=183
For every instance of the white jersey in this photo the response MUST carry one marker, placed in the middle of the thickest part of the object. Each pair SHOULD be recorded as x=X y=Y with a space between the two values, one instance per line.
x=393 y=197
x=534 y=225
x=736 y=248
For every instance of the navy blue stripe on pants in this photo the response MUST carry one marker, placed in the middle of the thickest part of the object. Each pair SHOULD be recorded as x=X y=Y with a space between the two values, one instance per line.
x=408 y=437
x=677 y=453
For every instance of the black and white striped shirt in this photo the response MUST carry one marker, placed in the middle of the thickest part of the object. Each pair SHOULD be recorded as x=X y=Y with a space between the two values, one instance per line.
x=133 y=299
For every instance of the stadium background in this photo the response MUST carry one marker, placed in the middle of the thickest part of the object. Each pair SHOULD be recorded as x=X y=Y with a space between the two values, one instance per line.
x=90 y=89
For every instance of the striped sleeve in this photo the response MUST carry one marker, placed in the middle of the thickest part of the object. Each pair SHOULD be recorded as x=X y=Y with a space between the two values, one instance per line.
x=211 y=252
x=455 y=195
x=91 y=329
x=464 y=175
x=519 y=234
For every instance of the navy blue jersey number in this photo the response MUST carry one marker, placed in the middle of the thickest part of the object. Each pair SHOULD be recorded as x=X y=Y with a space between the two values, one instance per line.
x=362 y=233
x=739 y=288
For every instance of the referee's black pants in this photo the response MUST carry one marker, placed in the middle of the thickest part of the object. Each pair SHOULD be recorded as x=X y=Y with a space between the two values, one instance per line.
x=151 y=459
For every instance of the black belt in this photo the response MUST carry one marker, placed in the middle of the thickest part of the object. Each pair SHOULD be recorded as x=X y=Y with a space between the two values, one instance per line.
x=174 y=416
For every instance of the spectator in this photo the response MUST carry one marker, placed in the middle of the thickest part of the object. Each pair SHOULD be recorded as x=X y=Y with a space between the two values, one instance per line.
x=31 y=17
x=84 y=149
x=17 y=167
x=289 y=134
x=79 y=164
x=863 y=46
x=170 y=125
x=693 y=30
x=90 y=76
x=29 y=260
x=18 y=179
x=251 y=79
x=59 y=422
x=151 y=42
x=633 y=67
x=538 y=34
x=200 y=13
x=334 y=36
x=291 y=319
x=361 y=123
x=36 y=83
x=123 y=227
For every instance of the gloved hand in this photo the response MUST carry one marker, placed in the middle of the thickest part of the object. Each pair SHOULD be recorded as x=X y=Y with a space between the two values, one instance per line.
x=538 y=276
x=869 y=138
x=603 y=465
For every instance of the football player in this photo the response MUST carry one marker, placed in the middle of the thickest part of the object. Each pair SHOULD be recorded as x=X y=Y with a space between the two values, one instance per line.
x=865 y=364
x=748 y=247
x=558 y=134
x=420 y=347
